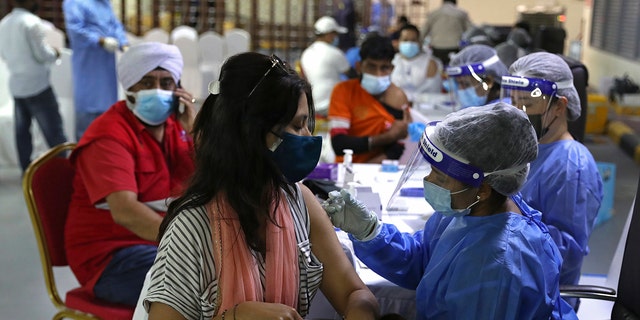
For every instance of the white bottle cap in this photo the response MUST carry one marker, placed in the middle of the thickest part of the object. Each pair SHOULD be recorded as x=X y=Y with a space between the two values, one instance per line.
x=348 y=156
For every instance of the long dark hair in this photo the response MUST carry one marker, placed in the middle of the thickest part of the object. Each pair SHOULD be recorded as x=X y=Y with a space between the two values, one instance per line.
x=231 y=155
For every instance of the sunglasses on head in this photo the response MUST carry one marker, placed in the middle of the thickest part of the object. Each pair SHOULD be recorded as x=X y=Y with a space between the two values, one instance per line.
x=275 y=62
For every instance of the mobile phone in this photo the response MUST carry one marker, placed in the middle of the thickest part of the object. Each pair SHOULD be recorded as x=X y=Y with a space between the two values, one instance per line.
x=176 y=101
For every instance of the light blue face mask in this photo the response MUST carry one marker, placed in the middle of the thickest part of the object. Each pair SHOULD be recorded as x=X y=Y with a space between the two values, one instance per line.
x=375 y=85
x=152 y=106
x=335 y=42
x=469 y=98
x=440 y=200
x=409 y=49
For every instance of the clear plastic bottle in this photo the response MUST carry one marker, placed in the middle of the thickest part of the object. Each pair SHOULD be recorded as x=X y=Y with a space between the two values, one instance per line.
x=347 y=163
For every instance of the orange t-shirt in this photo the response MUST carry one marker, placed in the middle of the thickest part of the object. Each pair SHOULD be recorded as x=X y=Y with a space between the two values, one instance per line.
x=355 y=112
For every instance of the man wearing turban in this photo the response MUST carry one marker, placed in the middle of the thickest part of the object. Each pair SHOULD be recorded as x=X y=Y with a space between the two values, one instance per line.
x=128 y=164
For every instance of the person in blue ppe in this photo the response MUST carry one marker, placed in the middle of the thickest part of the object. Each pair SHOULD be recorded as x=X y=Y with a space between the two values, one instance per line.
x=94 y=34
x=484 y=253
x=474 y=76
x=564 y=183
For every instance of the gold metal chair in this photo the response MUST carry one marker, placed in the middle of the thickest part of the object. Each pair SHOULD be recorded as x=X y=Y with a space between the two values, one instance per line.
x=47 y=186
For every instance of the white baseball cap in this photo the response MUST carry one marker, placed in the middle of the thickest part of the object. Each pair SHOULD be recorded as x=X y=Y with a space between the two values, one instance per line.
x=327 y=24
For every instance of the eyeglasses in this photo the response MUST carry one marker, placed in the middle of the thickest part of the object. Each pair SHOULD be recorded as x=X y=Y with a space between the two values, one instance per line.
x=275 y=61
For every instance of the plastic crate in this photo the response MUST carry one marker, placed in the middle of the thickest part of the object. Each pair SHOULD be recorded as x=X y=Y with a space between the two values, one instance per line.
x=627 y=104
x=608 y=174
x=597 y=112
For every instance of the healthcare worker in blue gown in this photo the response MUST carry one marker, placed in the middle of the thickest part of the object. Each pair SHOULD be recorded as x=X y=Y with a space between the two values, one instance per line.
x=473 y=76
x=564 y=182
x=484 y=253
x=94 y=34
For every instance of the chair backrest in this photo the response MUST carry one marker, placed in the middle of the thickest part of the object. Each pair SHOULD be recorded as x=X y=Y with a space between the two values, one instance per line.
x=183 y=32
x=47 y=187
x=212 y=48
x=189 y=49
x=55 y=37
x=191 y=78
x=156 y=35
x=237 y=41
x=580 y=81
x=132 y=38
x=627 y=304
x=6 y=99
x=61 y=75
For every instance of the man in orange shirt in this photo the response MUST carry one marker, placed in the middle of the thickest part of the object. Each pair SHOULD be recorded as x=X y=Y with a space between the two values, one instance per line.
x=369 y=114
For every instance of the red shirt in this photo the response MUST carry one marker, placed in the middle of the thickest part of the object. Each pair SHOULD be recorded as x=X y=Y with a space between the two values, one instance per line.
x=117 y=153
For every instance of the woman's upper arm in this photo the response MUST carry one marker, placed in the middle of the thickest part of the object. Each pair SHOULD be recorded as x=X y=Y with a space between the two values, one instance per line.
x=161 y=311
x=432 y=68
x=339 y=278
x=182 y=276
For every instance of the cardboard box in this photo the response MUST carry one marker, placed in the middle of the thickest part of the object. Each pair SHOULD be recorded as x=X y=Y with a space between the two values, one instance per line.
x=608 y=174
x=327 y=171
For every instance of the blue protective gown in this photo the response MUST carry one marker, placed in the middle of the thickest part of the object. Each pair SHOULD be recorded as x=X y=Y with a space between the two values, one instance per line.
x=95 y=86
x=565 y=185
x=504 y=266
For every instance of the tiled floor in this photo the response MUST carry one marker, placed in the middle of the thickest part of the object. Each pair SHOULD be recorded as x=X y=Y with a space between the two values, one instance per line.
x=22 y=291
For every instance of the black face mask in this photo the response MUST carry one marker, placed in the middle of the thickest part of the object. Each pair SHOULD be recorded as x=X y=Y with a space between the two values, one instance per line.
x=536 y=122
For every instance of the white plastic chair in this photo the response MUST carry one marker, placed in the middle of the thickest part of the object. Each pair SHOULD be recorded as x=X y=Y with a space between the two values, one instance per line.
x=212 y=52
x=183 y=32
x=61 y=76
x=212 y=47
x=62 y=84
x=55 y=37
x=156 y=35
x=6 y=99
x=191 y=78
x=237 y=41
x=132 y=38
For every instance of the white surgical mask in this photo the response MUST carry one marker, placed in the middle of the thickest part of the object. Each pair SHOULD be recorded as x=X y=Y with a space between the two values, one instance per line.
x=375 y=85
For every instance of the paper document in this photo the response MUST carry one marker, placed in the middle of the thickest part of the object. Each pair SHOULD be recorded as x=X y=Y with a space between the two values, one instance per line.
x=161 y=205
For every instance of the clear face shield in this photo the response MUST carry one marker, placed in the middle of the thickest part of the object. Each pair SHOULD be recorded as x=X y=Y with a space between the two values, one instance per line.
x=533 y=96
x=431 y=154
x=468 y=85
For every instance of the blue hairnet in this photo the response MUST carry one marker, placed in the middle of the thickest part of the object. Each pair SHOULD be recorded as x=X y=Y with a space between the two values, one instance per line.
x=496 y=138
x=478 y=53
x=550 y=67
